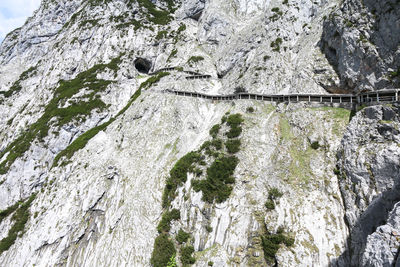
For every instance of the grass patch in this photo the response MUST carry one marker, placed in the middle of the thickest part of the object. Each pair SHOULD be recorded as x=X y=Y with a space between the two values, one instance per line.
x=19 y=218
x=273 y=195
x=164 y=250
x=82 y=140
x=16 y=87
x=153 y=80
x=57 y=116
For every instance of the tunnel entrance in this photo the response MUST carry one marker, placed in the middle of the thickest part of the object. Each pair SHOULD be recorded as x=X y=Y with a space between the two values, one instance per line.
x=142 y=65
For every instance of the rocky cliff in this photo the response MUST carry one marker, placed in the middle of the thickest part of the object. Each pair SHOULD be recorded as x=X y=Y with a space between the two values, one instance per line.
x=100 y=166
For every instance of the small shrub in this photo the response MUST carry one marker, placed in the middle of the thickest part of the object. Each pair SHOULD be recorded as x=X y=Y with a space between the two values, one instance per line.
x=195 y=59
x=215 y=130
x=233 y=146
x=250 y=109
x=276 y=45
x=186 y=255
x=217 y=143
x=210 y=263
x=209 y=228
x=239 y=89
x=234 y=121
x=168 y=216
x=274 y=193
x=315 y=145
x=269 y=204
x=182 y=236
x=217 y=185
x=178 y=176
x=163 y=252
x=271 y=244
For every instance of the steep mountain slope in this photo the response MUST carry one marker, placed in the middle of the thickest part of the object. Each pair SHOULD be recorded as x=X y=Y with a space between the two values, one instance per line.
x=99 y=166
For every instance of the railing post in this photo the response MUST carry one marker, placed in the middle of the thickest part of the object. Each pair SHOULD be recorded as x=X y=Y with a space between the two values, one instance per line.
x=377 y=96
x=320 y=99
x=297 y=97
x=397 y=95
x=340 y=99
x=309 y=98
x=331 y=99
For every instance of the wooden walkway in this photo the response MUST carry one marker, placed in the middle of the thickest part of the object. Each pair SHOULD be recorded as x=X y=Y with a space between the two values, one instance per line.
x=383 y=96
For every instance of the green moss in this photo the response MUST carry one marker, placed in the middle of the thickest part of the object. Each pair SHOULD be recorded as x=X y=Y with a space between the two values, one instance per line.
x=164 y=250
x=182 y=236
x=57 y=116
x=161 y=34
x=186 y=255
x=19 y=219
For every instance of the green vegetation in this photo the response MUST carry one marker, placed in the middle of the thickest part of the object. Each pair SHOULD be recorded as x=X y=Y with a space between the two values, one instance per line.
x=16 y=87
x=173 y=54
x=161 y=35
x=215 y=130
x=273 y=195
x=5 y=213
x=234 y=121
x=82 y=140
x=277 y=14
x=195 y=59
x=210 y=263
x=57 y=116
x=394 y=74
x=218 y=184
x=164 y=251
x=276 y=45
x=20 y=218
x=154 y=14
x=233 y=146
x=182 y=236
x=178 y=176
x=209 y=228
x=172 y=262
x=153 y=80
x=271 y=243
x=315 y=145
x=250 y=110
x=186 y=255
x=167 y=218
x=217 y=143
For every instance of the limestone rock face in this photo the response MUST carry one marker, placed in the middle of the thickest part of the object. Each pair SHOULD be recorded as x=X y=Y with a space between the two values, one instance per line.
x=369 y=161
x=89 y=133
x=360 y=42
